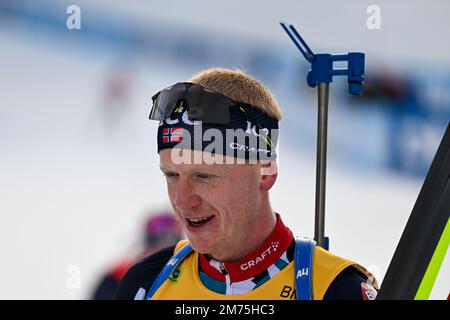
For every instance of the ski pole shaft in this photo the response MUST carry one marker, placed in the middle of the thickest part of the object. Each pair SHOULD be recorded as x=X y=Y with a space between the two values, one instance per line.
x=321 y=166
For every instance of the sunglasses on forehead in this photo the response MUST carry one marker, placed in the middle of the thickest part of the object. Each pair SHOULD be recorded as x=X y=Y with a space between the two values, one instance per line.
x=200 y=103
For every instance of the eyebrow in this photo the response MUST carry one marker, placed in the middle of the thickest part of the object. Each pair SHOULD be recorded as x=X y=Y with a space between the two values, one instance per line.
x=196 y=171
x=165 y=170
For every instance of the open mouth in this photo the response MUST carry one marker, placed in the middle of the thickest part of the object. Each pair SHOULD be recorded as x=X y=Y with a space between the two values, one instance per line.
x=199 y=222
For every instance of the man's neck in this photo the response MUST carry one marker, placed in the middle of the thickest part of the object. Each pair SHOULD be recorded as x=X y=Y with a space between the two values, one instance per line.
x=254 y=262
x=261 y=230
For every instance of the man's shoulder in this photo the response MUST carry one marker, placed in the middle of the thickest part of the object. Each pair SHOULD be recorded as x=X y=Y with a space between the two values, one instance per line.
x=351 y=284
x=335 y=277
x=143 y=274
x=345 y=279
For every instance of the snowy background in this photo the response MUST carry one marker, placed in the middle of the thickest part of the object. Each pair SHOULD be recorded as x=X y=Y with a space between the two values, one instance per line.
x=78 y=164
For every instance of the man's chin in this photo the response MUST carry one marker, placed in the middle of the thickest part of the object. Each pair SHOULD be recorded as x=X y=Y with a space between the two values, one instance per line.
x=200 y=247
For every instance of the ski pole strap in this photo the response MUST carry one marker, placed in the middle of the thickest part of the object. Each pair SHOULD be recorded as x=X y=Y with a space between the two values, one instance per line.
x=168 y=269
x=303 y=259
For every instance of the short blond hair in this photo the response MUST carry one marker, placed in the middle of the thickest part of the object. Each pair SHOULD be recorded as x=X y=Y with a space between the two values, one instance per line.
x=240 y=87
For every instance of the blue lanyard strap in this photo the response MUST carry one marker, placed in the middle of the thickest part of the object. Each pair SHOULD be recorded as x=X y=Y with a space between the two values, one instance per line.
x=303 y=260
x=168 y=269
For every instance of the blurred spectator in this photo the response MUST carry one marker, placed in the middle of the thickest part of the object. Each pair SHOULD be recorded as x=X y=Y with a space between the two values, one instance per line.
x=161 y=229
x=385 y=83
x=116 y=97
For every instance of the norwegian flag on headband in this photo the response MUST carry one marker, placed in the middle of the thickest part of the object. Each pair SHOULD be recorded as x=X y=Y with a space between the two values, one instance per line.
x=172 y=135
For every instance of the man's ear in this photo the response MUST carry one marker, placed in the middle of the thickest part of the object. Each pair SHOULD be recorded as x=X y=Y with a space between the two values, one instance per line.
x=269 y=174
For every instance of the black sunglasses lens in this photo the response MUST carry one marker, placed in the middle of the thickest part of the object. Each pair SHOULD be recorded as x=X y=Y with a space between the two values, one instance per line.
x=165 y=101
x=208 y=106
x=201 y=103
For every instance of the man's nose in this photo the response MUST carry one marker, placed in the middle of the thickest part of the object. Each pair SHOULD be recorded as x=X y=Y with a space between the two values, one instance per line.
x=185 y=197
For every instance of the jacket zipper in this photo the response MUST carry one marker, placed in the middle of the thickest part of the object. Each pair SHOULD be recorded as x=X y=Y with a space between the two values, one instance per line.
x=229 y=289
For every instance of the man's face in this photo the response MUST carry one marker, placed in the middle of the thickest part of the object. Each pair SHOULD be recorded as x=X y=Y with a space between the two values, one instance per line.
x=217 y=204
